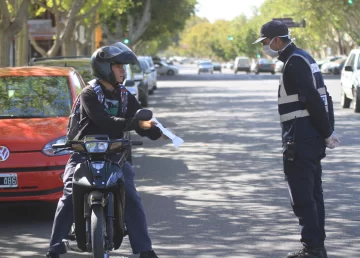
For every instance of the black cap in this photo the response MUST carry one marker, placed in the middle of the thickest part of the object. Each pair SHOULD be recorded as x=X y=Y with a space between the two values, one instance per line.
x=272 y=29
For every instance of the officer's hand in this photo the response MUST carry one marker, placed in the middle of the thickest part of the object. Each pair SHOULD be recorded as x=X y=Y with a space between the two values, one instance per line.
x=146 y=125
x=333 y=141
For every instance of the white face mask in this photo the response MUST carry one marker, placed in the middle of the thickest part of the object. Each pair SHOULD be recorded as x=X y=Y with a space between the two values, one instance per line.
x=274 y=53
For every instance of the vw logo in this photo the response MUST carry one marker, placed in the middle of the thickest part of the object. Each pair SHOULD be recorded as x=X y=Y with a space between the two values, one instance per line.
x=4 y=153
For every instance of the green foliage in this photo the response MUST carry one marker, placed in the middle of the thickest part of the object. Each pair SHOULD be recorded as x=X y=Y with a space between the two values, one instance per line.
x=167 y=17
x=330 y=23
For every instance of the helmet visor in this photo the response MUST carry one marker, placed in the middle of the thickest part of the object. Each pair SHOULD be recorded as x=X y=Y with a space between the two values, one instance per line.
x=109 y=52
x=121 y=46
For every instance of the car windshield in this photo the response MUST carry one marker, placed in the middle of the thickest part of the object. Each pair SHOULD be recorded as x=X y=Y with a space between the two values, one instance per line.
x=80 y=65
x=136 y=68
x=144 y=65
x=35 y=96
x=265 y=61
x=205 y=63
x=243 y=61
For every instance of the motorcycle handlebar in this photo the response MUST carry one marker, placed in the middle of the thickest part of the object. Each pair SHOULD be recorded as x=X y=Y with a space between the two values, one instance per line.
x=69 y=144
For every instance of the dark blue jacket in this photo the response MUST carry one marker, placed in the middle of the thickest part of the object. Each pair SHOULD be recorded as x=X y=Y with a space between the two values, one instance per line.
x=314 y=108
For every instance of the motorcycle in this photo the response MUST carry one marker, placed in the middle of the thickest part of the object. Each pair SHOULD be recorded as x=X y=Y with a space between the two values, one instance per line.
x=98 y=190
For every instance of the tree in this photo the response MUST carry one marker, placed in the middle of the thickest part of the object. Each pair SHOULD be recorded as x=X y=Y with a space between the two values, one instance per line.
x=145 y=20
x=68 y=16
x=11 y=22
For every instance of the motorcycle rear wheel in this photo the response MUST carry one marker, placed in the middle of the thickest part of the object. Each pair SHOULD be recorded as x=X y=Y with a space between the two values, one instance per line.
x=97 y=231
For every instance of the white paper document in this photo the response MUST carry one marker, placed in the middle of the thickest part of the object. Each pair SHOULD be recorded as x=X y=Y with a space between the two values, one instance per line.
x=177 y=141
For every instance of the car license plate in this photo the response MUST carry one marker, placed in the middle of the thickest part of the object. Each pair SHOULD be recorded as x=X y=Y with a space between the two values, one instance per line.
x=8 y=181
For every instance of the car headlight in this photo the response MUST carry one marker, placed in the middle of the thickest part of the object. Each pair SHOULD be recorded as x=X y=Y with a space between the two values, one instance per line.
x=96 y=147
x=49 y=150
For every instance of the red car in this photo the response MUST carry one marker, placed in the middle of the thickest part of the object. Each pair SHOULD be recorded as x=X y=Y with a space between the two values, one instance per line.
x=35 y=103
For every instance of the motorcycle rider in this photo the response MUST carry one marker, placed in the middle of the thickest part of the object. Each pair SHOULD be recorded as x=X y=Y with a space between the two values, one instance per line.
x=107 y=64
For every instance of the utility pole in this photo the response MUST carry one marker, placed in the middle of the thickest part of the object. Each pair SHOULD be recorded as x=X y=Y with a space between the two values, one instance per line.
x=21 y=40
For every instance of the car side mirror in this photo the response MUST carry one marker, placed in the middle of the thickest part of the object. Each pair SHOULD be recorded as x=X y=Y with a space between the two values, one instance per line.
x=143 y=114
x=157 y=66
x=129 y=83
x=348 y=68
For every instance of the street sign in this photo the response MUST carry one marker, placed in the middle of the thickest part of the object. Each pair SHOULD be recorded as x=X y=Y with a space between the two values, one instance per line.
x=290 y=23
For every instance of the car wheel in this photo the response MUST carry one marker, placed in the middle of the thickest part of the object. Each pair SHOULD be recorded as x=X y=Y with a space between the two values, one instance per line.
x=345 y=101
x=170 y=72
x=356 y=102
x=144 y=100
x=272 y=73
x=256 y=72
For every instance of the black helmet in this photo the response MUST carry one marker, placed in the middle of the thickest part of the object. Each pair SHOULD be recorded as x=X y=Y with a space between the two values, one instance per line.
x=102 y=59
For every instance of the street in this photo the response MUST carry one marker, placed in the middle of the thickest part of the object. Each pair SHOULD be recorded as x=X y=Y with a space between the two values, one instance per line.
x=222 y=193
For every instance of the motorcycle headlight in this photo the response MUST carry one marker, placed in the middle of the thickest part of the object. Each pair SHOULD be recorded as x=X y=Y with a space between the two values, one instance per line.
x=96 y=147
x=49 y=151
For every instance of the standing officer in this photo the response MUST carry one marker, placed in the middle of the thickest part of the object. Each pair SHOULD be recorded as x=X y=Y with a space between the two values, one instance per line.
x=307 y=122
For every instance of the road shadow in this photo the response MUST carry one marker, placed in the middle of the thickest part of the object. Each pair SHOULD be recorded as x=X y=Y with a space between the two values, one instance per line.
x=222 y=193
x=230 y=196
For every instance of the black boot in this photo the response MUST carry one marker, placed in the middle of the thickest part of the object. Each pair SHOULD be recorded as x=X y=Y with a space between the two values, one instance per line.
x=52 y=255
x=309 y=253
x=149 y=254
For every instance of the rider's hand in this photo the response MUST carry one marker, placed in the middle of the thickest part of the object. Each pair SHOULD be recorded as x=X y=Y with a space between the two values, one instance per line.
x=333 y=141
x=146 y=125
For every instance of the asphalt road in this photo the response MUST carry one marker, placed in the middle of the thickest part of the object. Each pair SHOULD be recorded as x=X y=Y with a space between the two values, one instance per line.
x=222 y=193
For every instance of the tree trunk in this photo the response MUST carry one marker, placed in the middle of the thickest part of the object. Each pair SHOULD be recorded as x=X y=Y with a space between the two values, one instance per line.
x=22 y=44
x=79 y=49
x=5 y=43
x=69 y=47
x=9 y=27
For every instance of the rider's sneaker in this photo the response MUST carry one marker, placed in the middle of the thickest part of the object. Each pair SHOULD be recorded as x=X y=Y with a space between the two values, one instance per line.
x=309 y=253
x=149 y=254
x=52 y=255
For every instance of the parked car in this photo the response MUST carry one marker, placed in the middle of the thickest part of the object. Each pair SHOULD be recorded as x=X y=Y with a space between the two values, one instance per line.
x=263 y=65
x=35 y=107
x=337 y=66
x=328 y=59
x=82 y=65
x=242 y=64
x=279 y=66
x=141 y=73
x=152 y=80
x=230 y=65
x=217 y=67
x=163 y=68
x=205 y=67
x=350 y=81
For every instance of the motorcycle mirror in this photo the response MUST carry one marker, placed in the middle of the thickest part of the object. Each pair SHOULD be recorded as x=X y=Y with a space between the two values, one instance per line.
x=143 y=114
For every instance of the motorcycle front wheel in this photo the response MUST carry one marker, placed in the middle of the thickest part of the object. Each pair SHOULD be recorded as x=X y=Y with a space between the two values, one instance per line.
x=98 y=231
